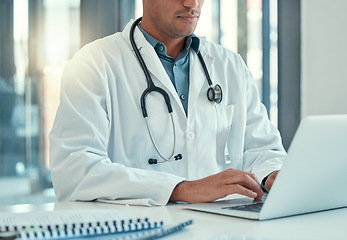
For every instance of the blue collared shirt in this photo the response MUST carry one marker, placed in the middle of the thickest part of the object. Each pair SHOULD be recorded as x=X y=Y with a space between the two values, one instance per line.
x=177 y=70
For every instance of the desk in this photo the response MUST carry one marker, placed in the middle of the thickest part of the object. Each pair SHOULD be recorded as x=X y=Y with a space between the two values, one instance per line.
x=322 y=225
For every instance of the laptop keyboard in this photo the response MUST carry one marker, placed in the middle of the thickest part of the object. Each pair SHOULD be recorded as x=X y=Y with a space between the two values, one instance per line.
x=255 y=207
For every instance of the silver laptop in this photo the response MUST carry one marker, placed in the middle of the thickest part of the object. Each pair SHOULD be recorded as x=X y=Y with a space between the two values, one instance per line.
x=313 y=176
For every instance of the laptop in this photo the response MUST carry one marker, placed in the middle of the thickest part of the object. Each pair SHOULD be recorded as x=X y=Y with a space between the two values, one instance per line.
x=312 y=178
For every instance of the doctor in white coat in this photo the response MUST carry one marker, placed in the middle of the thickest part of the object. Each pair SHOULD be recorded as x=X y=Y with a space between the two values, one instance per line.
x=100 y=145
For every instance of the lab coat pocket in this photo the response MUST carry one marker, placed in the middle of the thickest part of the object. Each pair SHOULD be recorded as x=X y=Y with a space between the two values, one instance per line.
x=224 y=123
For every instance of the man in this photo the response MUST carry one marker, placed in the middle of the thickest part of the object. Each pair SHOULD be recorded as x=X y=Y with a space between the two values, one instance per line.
x=100 y=144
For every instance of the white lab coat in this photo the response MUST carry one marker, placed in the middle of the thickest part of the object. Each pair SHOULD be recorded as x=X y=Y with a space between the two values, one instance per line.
x=99 y=144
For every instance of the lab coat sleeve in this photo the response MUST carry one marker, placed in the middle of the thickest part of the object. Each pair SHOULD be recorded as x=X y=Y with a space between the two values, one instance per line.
x=263 y=150
x=80 y=166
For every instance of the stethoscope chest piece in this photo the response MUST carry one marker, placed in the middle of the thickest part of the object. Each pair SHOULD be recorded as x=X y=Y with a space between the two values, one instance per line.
x=214 y=94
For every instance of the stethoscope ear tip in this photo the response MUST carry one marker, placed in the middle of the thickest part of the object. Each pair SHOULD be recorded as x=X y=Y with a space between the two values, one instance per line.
x=152 y=161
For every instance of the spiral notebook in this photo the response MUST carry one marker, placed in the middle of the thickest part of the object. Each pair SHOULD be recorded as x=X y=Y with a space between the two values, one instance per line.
x=77 y=224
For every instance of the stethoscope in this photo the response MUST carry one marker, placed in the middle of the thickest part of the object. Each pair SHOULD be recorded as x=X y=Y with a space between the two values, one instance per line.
x=214 y=94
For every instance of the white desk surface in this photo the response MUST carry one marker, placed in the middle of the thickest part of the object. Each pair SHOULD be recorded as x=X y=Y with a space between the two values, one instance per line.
x=321 y=225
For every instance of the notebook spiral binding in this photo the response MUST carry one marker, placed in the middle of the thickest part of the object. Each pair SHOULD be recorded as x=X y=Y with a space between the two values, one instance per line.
x=80 y=230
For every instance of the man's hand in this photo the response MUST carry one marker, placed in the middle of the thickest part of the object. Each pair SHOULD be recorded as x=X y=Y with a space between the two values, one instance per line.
x=270 y=180
x=218 y=186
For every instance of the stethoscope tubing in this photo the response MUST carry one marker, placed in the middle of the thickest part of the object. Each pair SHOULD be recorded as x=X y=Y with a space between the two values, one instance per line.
x=150 y=85
x=155 y=145
x=152 y=88
x=209 y=81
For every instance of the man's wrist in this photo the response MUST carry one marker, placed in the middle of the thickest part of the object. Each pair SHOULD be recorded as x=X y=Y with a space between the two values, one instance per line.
x=177 y=192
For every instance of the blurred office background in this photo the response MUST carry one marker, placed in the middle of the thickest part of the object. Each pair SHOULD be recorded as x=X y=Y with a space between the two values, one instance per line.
x=296 y=51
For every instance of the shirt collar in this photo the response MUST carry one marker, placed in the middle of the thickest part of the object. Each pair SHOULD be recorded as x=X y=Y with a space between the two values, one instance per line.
x=195 y=42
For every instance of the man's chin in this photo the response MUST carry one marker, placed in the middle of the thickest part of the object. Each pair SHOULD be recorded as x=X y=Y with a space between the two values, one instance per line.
x=187 y=31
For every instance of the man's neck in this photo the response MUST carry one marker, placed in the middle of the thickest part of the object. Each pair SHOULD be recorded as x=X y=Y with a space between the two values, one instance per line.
x=174 y=47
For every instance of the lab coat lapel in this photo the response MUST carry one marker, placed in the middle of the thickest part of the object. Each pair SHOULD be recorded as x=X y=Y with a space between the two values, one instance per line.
x=153 y=63
x=198 y=80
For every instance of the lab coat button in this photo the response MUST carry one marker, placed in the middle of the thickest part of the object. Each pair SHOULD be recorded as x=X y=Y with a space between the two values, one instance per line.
x=190 y=135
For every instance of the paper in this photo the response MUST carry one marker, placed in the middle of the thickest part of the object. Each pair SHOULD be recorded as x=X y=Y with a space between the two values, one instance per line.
x=133 y=202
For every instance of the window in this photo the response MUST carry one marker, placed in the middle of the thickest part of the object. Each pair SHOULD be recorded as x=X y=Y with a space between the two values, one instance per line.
x=45 y=35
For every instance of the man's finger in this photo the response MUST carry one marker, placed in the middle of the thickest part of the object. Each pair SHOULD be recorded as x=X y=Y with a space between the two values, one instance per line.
x=239 y=189
x=246 y=182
